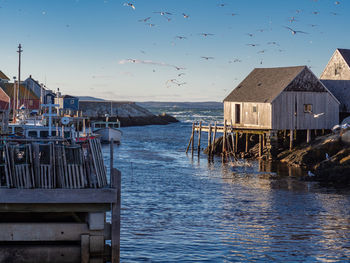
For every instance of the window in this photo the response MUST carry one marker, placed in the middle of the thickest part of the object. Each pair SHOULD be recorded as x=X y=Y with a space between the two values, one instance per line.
x=254 y=109
x=32 y=134
x=30 y=102
x=238 y=113
x=71 y=101
x=308 y=108
x=44 y=134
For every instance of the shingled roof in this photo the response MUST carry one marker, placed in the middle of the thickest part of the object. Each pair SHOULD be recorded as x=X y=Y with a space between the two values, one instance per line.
x=264 y=84
x=3 y=76
x=345 y=54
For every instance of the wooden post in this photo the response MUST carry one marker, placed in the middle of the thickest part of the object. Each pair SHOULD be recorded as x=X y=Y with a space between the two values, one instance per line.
x=224 y=139
x=308 y=136
x=246 y=142
x=291 y=133
x=191 y=139
x=116 y=183
x=260 y=145
x=236 y=142
x=232 y=139
x=111 y=152
x=263 y=140
x=199 y=137
x=209 y=139
x=213 y=144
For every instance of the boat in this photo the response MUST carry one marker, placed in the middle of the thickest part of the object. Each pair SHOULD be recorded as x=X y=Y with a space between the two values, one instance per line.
x=108 y=131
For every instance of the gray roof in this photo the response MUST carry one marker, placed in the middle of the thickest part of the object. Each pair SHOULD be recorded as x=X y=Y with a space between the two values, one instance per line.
x=264 y=84
x=345 y=54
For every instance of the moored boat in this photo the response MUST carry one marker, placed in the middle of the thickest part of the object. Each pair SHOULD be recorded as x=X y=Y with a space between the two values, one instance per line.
x=108 y=131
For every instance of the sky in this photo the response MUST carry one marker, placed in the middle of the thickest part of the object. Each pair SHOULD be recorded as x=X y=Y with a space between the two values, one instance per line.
x=103 y=48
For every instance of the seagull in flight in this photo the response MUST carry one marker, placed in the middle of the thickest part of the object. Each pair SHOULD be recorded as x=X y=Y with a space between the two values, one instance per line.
x=130 y=4
x=249 y=34
x=292 y=19
x=295 y=31
x=221 y=5
x=181 y=37
x=273 y=43
x=232 y=14
x=336 y=2
x=207 y=58
x=145 y=19
x=178 y=68
x=261 y=51
x=206 y=34
x=150 y=25
x=252 y=45
x=318 y=115
x=163 y=13
x=185 y=16
x=180 y=84
x=181 y=74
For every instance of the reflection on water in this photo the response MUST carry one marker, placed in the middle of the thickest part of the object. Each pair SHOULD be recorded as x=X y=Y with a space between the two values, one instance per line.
x=177 y=208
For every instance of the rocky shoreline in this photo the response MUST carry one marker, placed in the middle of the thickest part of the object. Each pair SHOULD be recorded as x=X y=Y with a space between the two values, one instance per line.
x=326 y=159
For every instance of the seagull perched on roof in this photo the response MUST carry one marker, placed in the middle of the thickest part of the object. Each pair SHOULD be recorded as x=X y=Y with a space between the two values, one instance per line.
x=295 y=31
x=130 y=4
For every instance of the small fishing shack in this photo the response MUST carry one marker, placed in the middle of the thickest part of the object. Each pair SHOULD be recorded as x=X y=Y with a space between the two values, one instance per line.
x=55 y=201
x=336 y=77
x=274 y=104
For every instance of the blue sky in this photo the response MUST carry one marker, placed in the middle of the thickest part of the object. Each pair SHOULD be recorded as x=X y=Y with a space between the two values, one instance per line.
x=99 y=48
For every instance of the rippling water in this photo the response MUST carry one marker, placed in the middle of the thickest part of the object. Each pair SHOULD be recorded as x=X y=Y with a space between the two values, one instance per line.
x=179 y=208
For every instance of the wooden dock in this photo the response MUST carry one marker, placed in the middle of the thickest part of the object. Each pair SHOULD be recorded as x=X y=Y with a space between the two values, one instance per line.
x=231 y=137
x=49 y=221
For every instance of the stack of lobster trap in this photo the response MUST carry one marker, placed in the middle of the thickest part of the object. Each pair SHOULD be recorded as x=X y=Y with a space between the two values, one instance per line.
x=52 y=164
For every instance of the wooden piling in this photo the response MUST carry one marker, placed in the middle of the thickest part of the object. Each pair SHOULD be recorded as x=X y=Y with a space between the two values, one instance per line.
x=308 y=136
x=236 y=142
x=260 y=145
x=111 y=154
x=191 y=139
x=246 y=142
x=213 y=144
x=199 y=137
x=116 y=179
x=224 y=139
x=209 y=139
x=291 y=133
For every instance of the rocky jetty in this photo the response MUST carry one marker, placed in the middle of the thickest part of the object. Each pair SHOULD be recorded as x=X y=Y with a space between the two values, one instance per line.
x=128 y=113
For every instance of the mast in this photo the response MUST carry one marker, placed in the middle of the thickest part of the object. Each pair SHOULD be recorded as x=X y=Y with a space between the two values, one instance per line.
x=19 y=72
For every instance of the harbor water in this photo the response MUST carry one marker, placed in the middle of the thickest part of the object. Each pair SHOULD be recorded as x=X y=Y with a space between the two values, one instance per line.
x=181 y=208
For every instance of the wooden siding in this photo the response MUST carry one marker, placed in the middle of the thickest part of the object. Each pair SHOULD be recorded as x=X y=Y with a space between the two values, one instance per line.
x=261 y=119
x=337 y=68
x=283 y=108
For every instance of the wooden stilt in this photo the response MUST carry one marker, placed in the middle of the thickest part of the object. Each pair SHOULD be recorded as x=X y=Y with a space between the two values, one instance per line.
x=246 y=142
x=263 y=140
x=232 y=139
x=236 y=142
x=209 y=139
x=213 y=144
x=224 y=139
x=191 y=139
x=322 y=131
x=308 y=136
x=260 y=145
x=199 y=137
x=291 y=133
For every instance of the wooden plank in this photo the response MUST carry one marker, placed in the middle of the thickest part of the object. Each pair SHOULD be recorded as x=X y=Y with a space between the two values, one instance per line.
x=63 y=207
x=116 y=182
x=40 y=253
x=199 y=137
x=97 y=244
x=44 y=196
x=96 y=221
x=85 y=248
x=44 y=231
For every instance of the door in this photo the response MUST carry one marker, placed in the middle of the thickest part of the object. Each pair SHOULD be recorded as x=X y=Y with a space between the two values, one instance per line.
x=238 y=113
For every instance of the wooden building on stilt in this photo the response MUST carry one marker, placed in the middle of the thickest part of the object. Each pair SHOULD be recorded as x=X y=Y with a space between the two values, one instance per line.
x=281 y=99
x=336 y=77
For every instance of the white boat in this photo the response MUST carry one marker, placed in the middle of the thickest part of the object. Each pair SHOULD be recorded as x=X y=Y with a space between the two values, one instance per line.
x=108 y=131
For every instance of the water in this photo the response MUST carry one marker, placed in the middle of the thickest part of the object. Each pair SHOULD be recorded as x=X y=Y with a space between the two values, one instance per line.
x=176 y=208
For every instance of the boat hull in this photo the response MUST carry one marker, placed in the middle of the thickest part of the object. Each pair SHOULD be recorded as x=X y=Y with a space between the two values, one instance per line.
x=109 y=134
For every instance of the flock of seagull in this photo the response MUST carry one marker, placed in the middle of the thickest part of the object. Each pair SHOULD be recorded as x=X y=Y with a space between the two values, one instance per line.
x=168 y=16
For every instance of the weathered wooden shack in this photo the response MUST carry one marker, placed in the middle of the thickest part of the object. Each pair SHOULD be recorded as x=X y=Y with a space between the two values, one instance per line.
x=336 y=77
x=284 y=98
x=26 y=97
